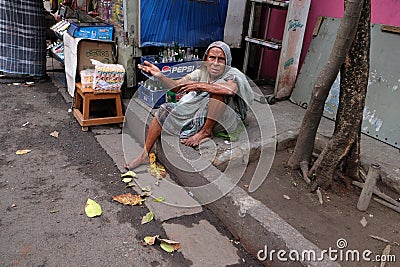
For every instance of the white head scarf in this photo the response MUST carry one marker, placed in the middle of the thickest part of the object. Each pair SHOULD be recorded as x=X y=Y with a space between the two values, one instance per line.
x=224 y=47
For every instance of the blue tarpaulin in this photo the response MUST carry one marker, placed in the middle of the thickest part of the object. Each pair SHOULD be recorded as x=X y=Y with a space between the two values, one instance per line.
x=194 y=23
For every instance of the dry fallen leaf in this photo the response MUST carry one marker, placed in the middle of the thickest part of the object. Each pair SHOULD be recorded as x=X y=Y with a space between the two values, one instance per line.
x=158 y=199
x=148 y=217
x=128 y=199
x=131 y=174
x=149 y=240
x=130 y=185
x=157 y=170
x=127 y=180
x=54 y=134
x=145 y=194
x=22 y=151
x=152 y=158
x=146 y=188
x=167 y=245
x=92 y=208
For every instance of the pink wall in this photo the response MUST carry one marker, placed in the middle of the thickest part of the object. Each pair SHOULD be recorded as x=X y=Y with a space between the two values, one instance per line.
x=382 y=12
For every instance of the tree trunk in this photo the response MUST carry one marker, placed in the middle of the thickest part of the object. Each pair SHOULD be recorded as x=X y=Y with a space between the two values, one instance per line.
x=344 y=146
x=312 y=118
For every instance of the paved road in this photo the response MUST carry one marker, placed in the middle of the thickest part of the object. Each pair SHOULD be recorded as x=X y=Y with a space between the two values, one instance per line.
x=43 y=194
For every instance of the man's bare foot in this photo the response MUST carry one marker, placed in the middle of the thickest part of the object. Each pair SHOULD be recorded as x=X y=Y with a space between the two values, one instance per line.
x=140 y=160
x=196 y=139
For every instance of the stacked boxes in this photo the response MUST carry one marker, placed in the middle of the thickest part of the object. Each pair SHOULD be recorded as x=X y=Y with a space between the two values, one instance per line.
x=91 y=30
x=151 y=92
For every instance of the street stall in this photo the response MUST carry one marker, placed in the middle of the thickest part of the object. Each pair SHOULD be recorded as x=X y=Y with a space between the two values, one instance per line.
x=170 y=33
x=86 y=48
x=145 y=27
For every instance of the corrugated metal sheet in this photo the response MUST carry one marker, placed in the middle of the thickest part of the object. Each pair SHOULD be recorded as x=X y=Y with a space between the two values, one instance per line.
x=381 y=119
x=194 y=23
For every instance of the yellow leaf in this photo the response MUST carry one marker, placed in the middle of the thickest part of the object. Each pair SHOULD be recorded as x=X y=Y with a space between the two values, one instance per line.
x=148 y=217
x=157 y=170
x=22 y=151
x=145 y=194
x=127 y=180
x=131 y=174
x=152 y=157
x=146 y=188
x=130 y=185
x=92 y=209
x=158 y=199
x=128 y=199
x=167 y=247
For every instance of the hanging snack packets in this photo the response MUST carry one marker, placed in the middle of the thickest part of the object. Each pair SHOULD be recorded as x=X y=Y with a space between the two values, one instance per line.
x=108 y=76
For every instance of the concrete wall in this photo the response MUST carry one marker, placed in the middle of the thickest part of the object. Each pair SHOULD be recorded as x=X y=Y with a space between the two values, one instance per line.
x=382 y=12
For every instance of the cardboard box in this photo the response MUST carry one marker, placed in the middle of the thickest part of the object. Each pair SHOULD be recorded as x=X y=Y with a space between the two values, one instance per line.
x=92 y=30
x=78 y=53
x=88 y=49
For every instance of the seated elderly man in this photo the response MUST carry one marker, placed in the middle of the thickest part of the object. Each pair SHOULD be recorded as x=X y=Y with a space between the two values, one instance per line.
x=217 y=100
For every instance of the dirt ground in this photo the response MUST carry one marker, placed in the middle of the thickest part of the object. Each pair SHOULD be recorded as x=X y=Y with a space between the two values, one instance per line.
x=336 y=218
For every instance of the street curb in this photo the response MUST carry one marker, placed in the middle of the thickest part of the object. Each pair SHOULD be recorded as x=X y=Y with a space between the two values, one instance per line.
x=249 y=220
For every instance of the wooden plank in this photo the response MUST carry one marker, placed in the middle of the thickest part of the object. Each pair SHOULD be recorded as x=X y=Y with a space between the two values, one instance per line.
x=390 y=206
x=388 y=28
x=317 y=26
x=266 y=43
x=379 y=194
x=90 y=90
x=276 y=3
x=96 y=121
x=292 y=43
x=368 y=188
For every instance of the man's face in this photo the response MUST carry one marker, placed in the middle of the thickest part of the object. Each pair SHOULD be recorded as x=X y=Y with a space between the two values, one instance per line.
x=215 y=62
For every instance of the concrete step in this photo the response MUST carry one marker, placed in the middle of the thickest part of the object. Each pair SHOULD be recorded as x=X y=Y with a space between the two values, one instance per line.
x=221 y=152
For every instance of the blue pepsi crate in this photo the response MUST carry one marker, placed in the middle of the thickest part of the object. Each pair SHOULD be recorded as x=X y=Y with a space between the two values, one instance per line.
x=173 y=70
x=92 y=30
x=153 y=98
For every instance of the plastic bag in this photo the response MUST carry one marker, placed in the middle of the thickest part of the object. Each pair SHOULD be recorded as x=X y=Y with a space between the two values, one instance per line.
x=87 y=78
x=108 y=76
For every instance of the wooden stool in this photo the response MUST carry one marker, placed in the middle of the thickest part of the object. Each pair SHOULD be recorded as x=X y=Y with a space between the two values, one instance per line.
x=81 y=108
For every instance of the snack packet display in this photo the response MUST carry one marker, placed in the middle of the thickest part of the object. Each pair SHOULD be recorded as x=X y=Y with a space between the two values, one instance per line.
x=108 y=76
x=87 y=78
